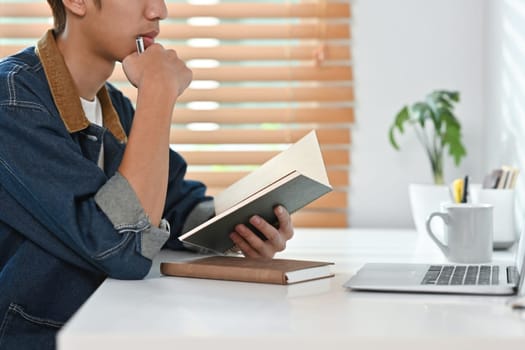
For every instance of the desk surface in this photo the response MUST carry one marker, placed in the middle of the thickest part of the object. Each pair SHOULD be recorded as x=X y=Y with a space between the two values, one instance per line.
x=167 y=312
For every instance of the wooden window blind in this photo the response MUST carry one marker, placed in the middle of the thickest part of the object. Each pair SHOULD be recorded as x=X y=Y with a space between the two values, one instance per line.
x=266 y=72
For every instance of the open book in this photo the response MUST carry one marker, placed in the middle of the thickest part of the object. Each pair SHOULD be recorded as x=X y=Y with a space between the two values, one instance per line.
x=293 y=178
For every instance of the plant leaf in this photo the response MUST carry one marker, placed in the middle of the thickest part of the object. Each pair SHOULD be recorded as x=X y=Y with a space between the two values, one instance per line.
x=452 y=138
x=421 y=111
x=451 y=95
x=401 y=117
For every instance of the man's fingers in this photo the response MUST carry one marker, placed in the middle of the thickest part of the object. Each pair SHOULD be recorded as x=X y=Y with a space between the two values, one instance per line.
x=271 y=233
x=252 y=245
x=244 y=246
x=285 y=222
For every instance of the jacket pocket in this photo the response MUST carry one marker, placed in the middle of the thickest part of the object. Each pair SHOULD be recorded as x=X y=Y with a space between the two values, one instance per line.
x=20 y=330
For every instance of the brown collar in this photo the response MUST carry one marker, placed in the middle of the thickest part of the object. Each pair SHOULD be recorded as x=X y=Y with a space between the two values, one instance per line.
x=65 y=93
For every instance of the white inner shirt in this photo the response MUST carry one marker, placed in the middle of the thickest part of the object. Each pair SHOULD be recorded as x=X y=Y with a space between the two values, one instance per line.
x=93 y=112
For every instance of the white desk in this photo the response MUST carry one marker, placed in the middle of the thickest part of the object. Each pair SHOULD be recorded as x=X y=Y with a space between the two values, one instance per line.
x=181 y=313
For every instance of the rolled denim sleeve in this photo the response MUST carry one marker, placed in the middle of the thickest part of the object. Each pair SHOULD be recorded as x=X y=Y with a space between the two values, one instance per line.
x=118 y=201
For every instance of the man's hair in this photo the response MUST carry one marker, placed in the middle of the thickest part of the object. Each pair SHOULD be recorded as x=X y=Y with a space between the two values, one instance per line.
x=59 y=14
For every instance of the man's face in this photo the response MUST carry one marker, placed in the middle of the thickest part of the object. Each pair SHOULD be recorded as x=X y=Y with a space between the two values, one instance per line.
x=112 y=27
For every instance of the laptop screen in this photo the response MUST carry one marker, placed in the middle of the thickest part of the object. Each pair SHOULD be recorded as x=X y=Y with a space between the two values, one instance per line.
x=520 y=264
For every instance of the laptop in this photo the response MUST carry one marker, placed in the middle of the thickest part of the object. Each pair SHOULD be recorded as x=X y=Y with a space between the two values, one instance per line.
x=483 y=279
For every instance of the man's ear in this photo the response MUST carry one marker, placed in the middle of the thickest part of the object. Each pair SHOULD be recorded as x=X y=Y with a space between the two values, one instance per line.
x=77 y=7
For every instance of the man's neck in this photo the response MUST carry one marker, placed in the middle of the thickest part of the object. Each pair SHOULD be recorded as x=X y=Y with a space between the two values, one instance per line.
x=88 y=70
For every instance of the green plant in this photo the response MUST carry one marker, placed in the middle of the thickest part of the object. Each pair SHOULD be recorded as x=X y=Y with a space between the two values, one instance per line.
x=436 y=128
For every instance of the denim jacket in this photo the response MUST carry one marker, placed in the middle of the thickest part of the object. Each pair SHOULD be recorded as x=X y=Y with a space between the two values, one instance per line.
x=65 y=223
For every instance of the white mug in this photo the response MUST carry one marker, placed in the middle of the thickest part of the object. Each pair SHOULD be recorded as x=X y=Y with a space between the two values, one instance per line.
x=469 y=232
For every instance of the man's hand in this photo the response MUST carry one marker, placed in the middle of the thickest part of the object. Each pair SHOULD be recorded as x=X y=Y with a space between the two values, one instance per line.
x=254 y=247
x=160 y=65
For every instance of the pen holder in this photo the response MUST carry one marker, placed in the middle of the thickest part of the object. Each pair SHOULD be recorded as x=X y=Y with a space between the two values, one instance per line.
x=504 y=221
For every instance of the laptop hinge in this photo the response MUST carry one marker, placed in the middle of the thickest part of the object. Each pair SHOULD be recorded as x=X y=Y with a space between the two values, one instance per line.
x=512 y=275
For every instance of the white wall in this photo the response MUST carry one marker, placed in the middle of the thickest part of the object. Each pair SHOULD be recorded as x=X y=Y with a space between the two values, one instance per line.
x=505 y=91
x=404 y=49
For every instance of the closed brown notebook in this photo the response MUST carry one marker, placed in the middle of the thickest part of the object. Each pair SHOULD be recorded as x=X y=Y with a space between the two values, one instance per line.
x=276 y=271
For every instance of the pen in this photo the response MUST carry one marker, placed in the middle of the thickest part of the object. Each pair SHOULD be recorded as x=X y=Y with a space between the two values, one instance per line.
x=465 y=190
x=457 y=190
x=140 y=44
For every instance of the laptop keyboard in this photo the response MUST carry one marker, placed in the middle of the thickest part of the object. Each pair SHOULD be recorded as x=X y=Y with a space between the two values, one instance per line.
x=462 y=275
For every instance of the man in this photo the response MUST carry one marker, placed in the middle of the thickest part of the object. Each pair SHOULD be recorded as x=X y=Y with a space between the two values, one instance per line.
x=88 y=186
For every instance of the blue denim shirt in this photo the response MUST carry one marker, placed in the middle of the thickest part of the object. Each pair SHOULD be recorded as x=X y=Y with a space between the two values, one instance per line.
x=66 y=224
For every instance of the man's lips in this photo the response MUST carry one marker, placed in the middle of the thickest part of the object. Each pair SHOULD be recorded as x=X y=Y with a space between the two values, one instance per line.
x=149 y=38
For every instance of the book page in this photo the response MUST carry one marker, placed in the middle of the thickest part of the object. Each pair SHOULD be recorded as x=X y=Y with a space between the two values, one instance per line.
x=304 y=157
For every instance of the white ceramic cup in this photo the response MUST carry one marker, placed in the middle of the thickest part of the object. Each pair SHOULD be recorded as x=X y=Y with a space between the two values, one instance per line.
x=469 y=232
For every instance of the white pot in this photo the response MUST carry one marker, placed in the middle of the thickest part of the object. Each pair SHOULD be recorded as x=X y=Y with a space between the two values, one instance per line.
x=425 y=199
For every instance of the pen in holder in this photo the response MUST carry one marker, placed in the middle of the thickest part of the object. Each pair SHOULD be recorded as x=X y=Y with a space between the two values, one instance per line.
x=459 y=190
